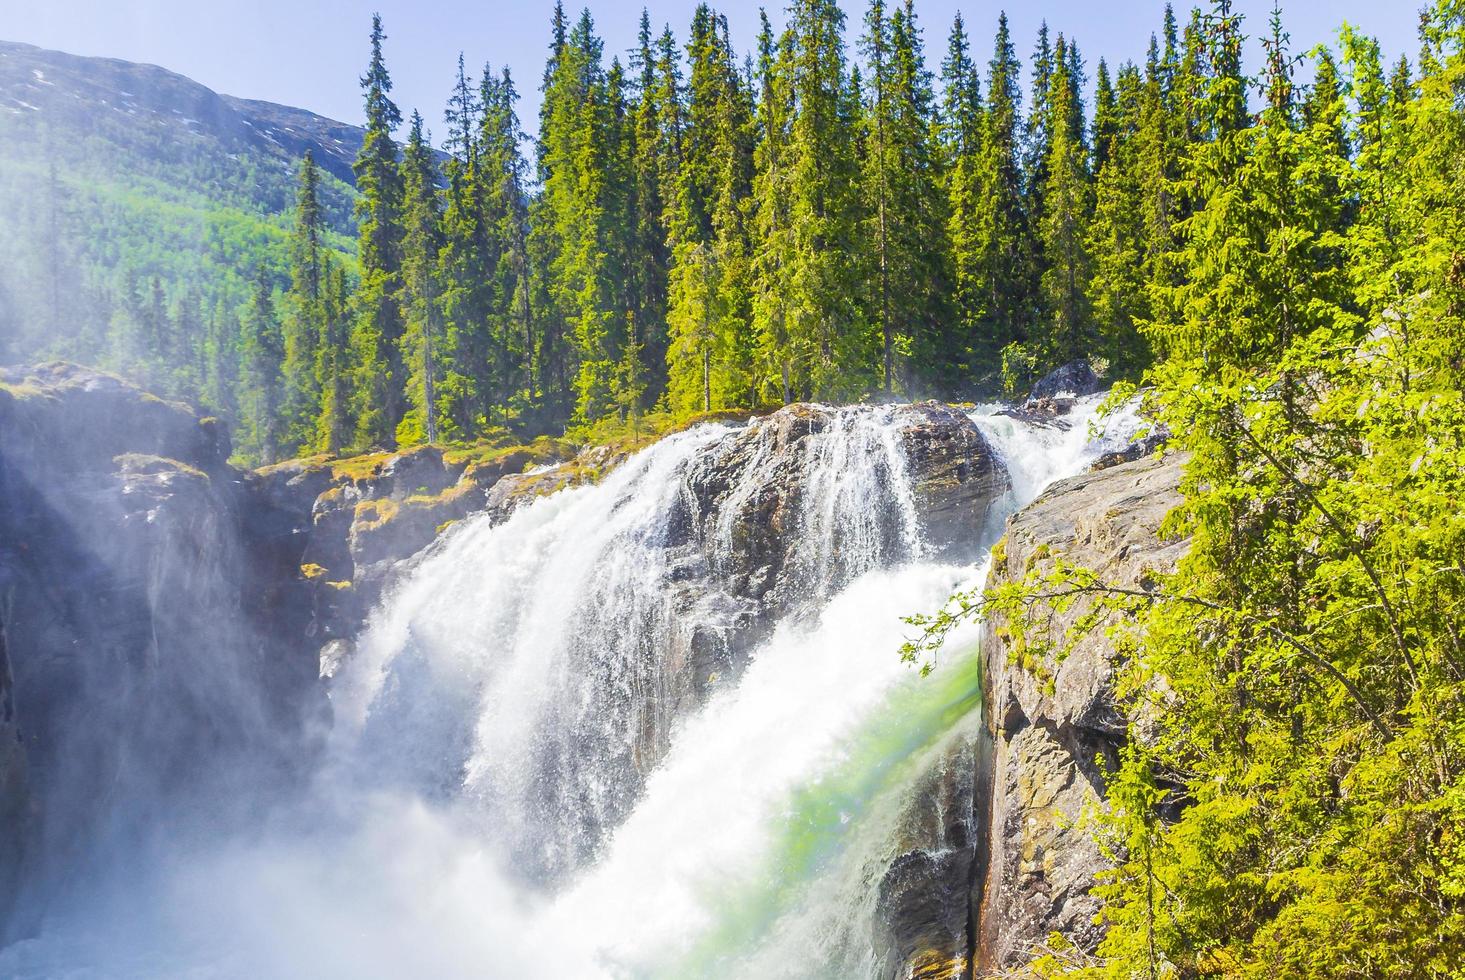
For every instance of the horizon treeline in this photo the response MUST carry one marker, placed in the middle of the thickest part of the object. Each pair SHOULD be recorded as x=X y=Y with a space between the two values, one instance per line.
x=839 y=215
x=703 y=231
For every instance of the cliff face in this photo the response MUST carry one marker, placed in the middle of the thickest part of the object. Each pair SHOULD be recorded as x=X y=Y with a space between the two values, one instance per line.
x=157 y=641
x=1041 y=769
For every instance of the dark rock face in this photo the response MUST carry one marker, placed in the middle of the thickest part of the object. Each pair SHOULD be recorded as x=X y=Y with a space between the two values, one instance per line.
x=1076 y=378
x=1138 y=449
x=926 y=908
x=957 y=476
x=157 y=640
x=359 y=530
x=1042 y=774
x=17 y=819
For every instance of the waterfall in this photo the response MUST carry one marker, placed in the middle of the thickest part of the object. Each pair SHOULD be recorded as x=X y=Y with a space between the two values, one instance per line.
x=654 y=727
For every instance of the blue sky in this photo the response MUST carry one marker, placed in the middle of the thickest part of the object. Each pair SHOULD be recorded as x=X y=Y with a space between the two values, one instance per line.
x=309 y=53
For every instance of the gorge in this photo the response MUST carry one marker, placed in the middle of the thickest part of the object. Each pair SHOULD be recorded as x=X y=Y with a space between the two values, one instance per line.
x=639 y=714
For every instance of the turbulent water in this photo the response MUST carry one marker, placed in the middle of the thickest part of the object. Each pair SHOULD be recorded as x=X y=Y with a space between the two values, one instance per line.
x=566 y=748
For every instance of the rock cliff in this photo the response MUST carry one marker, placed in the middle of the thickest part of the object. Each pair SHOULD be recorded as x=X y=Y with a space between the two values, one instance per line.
x=159 y=657
x=1041 y=764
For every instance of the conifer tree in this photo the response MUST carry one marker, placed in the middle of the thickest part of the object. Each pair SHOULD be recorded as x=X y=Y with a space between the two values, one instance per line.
x=263 y=354
x=1003 y=244
x=380 y=378
x=1063 y=222
x=221 y=357
x=421 y=302
x=304 y=319
x=709 y=354
x=772 y=258
x=513 y=336
x=653 y=165
x=963 y=121
x=829 y=348
x=1116 y=237
x=334 y=424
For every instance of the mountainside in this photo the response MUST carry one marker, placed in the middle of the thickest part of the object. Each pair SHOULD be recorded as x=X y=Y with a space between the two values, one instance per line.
x=113 y=174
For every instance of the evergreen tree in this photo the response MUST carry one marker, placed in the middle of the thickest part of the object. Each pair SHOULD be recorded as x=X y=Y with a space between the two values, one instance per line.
x=907 y=220
x=1063 y=222
x=709 y=358
x=334 y=424
x=827 y=348
x=1002 y=245
x=653 y=165
x=1116 y=237
x=963 y=121
x=377 y=340
x=772 y=258
x=304 y=320
x=263 y=353
x=421 y=303
x=221 y=357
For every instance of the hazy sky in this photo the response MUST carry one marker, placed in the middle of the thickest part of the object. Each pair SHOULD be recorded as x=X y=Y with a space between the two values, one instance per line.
x=309 y=53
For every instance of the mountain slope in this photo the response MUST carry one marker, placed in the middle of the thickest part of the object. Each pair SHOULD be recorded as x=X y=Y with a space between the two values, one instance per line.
x=113 y=174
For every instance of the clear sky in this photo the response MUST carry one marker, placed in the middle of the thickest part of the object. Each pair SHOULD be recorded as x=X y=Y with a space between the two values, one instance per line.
x=309 y=53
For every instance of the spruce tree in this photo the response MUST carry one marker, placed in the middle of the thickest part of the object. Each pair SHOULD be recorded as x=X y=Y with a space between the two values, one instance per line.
x=709 y=354
x=1003 y=244
x=824 y=344
x=1063 y=222
x=772 y=257
x=963 y=122
x=421 y=303
x=263 y=353
x=304 y=319
x=380 y=377
x=334 y=425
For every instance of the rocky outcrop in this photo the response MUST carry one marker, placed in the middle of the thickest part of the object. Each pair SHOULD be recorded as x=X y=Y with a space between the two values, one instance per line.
x=1074 y=379
x=359 y=520
x=768 y=552
x=924 y=920
x=157 y=640
x=17 y=821
x=1050 y=723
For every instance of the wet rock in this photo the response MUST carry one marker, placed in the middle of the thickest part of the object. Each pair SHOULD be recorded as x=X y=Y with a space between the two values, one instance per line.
x=1074 y=380
x=761 y=523
x=924 y=913
x=17 y=813
x=1047 y=412
x=956 y=475
x=156 y=632
x=1138 y=449
x=1047 y=734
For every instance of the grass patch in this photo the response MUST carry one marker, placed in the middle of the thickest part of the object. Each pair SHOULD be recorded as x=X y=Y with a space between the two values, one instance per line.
x=374 y=514
x=145 y=465
x=25 y=390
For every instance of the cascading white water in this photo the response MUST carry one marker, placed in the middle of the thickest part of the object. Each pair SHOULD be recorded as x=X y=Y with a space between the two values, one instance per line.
x=554 y=757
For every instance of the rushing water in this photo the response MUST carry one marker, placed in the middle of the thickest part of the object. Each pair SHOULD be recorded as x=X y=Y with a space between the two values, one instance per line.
x=552 y=757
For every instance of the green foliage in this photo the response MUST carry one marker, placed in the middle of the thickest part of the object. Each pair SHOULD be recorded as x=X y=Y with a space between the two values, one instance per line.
x=1289 y=802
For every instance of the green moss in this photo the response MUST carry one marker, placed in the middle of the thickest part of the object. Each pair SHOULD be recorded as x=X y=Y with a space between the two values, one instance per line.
x=358 y=468
x=143 y=464
x=999 y=556
x=302 y=464
x=455 y=492
x=24 y=391
x=373 y=514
